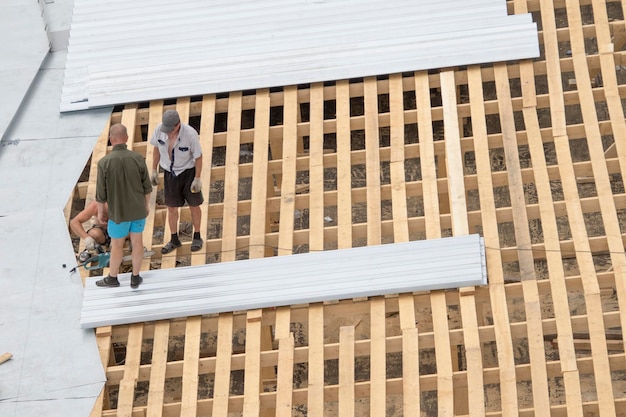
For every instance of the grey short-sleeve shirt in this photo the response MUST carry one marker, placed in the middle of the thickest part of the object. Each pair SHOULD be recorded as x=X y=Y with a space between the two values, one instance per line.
x=186 y=150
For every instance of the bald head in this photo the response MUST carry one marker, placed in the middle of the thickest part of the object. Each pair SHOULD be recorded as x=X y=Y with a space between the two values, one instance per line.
x=118 y=134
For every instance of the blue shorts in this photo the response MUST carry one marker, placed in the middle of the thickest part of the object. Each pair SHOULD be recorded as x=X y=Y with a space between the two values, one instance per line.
x=121 y=230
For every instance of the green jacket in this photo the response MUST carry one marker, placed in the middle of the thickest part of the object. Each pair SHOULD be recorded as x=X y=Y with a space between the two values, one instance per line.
x=123 y=181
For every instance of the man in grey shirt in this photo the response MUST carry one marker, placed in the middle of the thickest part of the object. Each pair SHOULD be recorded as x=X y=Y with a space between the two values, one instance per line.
x=177 y=151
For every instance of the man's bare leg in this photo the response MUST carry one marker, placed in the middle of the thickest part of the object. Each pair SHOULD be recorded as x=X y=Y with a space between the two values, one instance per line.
x=117 y=250
x=172 y=219
x=137 y=253
x=196 y=217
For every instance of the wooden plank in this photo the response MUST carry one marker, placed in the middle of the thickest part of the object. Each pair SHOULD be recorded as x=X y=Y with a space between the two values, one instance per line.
x=499 y=308
x=268 y=372
x=5 y=357
x=252 y=380
x=284 y=386
x=189 y=401
x=221 y=388
x=473 y=354
x=258 y=212
x=288 y=179
x=231 y=181
x=618 y=128
x=315 y=389
x=316 y=168
x=445 y=391
x=372 y=164
x=207 y=127
x=344 y=167
x=396 y=160
x=447 y=397
x=551 y=47
x=515 y=183
x=454 y=155
x=158 y=369
x=551 y=237
x=283 y=320
x=558 y=286
x=410 y=356
x=469 y=312
x=129 y=119
x=285 y=365
x=532 y=302
x=378 y=357
x=585 y=344
x=427 y=153
x=281 y=331
x=126 y=395
x=346 y=371
x=602 y=371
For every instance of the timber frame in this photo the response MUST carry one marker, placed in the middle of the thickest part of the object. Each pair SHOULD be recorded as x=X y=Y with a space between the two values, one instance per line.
x=543 y=338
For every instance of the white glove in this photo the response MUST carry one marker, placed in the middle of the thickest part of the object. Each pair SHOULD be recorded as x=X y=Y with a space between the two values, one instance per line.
x=90 y=244
x=154 y=177
x=196 y=185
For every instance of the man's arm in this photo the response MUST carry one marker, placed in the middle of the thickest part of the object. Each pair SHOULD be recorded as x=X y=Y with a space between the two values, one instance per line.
x=156 y=157
x=101 y=192
x=199 y=166
x=147 y=197
x=76 y=224
x=154 y=175
x=196 y=185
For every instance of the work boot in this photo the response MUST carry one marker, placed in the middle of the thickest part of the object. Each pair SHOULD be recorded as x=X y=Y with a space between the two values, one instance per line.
x=196 y=244
x=108 y=281
x=135 y=280
x=170 y=246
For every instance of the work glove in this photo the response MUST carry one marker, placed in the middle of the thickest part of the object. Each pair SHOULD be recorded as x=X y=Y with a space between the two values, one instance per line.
x=154 y=177
x=90 y=244
x=196 y=185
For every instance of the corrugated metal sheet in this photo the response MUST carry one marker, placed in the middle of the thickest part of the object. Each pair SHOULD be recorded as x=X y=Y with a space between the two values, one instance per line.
x=286 y=280
x=123 y=51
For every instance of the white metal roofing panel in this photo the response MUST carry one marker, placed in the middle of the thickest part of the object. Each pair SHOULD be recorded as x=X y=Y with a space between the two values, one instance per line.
x=120 y=52
x=285 y=280
x=56 y=369
x=23 y=48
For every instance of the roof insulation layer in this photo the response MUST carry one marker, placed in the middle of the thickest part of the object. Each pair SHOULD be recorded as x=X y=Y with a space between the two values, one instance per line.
x=23 y=48
x=286 y=280
x=55 y=370
x=120 y=52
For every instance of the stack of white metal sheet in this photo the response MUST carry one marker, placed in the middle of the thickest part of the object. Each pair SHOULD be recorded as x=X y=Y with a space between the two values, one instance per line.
x=286 y=280
x=122 y=51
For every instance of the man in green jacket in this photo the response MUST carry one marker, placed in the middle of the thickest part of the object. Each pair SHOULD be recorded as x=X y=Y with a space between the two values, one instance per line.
x=124 y=184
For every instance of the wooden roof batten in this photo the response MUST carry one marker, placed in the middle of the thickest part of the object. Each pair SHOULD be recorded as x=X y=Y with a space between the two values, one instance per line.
x=511 y=151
